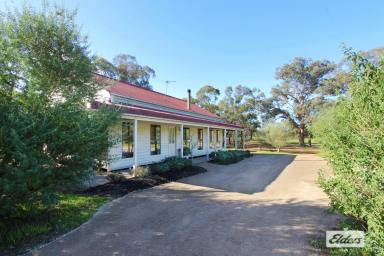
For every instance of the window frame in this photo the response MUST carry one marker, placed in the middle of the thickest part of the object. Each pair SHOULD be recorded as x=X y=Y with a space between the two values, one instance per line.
x=172 y=135
x=155 y=139
x=200 y=139
x=211 y=143
x=186 y=139
x=130 y=144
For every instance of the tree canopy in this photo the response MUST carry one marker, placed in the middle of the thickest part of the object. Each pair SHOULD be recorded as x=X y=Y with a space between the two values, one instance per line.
x=241 y=105
x=301 y=90
x=207 y=97
x=125 y=68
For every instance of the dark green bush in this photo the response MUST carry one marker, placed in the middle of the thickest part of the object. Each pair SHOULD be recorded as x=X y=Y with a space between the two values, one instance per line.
x=160 y=167
x=186 y=151
x=170 y=164
x=229 y=157
x=48 y=140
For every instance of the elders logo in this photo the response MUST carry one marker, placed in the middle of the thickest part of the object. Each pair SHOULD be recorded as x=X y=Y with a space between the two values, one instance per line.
x=345 y=239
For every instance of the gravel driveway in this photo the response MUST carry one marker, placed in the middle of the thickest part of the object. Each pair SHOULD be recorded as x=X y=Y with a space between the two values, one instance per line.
x=267 y=204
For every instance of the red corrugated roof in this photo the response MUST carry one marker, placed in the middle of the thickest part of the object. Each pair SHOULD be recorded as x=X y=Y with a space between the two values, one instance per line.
x=138 y=93
x=135 y=110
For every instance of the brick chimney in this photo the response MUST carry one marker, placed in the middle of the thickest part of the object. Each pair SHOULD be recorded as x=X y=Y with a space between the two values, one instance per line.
x=189 y=99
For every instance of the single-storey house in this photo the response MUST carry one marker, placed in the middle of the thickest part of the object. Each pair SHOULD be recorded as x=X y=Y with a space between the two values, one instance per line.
x=155 y=126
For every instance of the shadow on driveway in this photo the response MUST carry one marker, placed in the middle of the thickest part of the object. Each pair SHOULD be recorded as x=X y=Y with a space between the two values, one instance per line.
x=249 y=176
x=180 y=219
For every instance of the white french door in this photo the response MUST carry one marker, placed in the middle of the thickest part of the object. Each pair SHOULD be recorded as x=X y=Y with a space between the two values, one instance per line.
x=172 y=141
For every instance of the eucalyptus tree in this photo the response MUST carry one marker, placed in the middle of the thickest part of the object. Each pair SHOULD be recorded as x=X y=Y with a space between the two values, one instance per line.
x=207 y=97
x=125 y=68
x=241 y=105
x=304 y=86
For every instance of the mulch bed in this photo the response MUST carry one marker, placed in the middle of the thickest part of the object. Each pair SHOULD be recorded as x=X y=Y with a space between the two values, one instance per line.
x=118 y=189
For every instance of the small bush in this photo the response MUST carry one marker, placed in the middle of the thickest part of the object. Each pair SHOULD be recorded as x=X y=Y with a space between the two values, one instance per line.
x=141 y=171
x=186 y=151
x=170 y=164
x=160 y=167
x=229 y=157
x=116 y=177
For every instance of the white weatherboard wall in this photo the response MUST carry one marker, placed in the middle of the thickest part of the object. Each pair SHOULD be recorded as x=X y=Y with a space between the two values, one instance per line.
x=144 y=155
x=194 y=140
x=194 y=137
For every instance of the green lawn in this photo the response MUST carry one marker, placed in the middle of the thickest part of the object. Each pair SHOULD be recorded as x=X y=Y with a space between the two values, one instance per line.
x=260 y=140
x=69 y=213
x=263 y=152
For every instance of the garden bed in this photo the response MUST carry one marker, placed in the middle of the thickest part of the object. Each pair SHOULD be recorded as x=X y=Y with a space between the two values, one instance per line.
x=117 y=189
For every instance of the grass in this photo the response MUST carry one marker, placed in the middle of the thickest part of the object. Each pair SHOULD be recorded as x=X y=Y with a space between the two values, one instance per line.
x=265 y=152
x=258 y=144
x=69 y=213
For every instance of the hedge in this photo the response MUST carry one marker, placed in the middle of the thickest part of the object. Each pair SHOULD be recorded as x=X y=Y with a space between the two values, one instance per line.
x=229 y=157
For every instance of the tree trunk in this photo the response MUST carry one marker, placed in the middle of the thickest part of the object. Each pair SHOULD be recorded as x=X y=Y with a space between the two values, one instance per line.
x=278 y=149
x=302 y=135
x=310 y=140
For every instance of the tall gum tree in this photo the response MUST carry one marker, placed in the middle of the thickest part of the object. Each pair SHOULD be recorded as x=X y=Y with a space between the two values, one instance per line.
x=304 y=85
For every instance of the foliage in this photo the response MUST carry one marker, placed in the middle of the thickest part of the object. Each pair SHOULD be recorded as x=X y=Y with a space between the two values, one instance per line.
x=70 y=212
x=352 y=136
x=116 y=177
x=206 y=97
x=228 y=157
x=276 y=134
x=125 y=68
x=48 y=140
x=301 y=90
x=186 y=151
x=141 y=171
x=170 y=164
x=240 y=105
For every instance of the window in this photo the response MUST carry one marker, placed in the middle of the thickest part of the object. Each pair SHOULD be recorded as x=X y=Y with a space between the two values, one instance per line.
x=211 y=138
x=230 y=139
x=186 y=137
x=127 y=139
x=240 y=141
x=172 y=135
x=217 y=138
x=155 y=140
x=200 y=144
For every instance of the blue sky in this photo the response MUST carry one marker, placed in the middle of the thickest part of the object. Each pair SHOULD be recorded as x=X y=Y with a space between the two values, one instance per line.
x=220 y=42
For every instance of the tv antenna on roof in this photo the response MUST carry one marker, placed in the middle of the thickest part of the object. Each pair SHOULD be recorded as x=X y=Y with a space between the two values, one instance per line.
x=166 y=85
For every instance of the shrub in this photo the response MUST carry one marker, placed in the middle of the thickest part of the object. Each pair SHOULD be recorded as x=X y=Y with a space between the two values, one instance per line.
x=228 y=157
x=276 y=134
x=141 y=171
x=352 y=135
x=116 y=177
x=171 y=164
x=160 y=167
x=48 y=140
x=186 y=151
